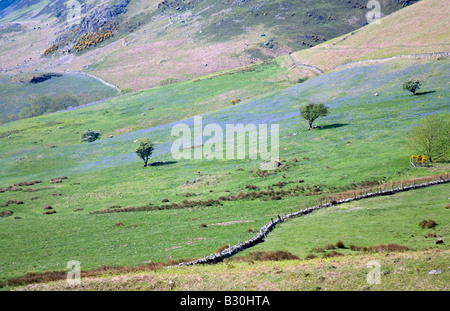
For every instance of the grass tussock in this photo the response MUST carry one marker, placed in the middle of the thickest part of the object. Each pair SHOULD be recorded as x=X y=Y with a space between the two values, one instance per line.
x=382 y=248
x=267 y=256
x=9 y=202
x=222 y=248
x=51 y=276
x=427 y=224
x=332 y=254
x=430 y=235
x=6 y=213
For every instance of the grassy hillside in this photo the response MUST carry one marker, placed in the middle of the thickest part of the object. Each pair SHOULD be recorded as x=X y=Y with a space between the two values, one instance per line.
x=419 y=28
x=399 y=272
x=383 y=220
x=362 y=140
x=17 y=93
x=181 y=39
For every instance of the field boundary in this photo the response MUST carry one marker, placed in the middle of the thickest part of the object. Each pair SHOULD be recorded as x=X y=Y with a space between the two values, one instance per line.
x=99 y=79
x=382 y=60
x=268 y=227
x=319 y=71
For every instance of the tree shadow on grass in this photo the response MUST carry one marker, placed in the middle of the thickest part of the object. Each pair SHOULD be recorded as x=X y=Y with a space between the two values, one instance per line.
x=162 y=163
x=425 y=93
x=331 y=126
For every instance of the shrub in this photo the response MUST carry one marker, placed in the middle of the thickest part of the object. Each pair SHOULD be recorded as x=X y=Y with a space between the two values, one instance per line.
x=145 y=150
x=168 y=81
x=340 y=244
x=317 y=250
x=431 y=224
x=279 y=184
x=312 y=111
x=329 y=247
x=430 y=138
x=6 y=213
x=90 y=136
x=387 y=248
x=126 y=90
x=412 y=86
x=271 y=256
x=53 y=48
x=332 y=254
x=221 y=248
x=381 y=248
x=251 y=187
x=422 y=224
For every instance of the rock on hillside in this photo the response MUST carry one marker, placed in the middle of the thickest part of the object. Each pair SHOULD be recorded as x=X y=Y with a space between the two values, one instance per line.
x=103 y=16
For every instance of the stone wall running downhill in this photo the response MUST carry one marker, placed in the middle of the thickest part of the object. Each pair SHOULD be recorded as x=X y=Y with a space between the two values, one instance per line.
x=267 y=228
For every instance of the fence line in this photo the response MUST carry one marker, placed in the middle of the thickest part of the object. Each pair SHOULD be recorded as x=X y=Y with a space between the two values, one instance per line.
x=268 y=227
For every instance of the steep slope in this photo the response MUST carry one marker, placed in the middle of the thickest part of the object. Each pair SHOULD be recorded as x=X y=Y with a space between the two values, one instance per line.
x=419 y=28
x=152 y=41
x=112 y=211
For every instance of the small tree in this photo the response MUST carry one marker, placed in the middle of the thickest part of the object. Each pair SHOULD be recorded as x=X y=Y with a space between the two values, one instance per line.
x=431 y=138
x=412 y=85
x=313 y=111
x=90 y=136
x=145 y=150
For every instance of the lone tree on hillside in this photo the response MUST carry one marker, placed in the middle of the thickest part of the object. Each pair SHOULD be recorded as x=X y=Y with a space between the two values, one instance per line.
x=145 y=150
x=313 y=111
x=431 y=138
x=412 y=85
x=90 y=136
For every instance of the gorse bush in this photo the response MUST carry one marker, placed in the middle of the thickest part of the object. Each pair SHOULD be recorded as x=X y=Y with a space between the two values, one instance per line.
x=92 y=39
x=419 y=159
x=431 y=139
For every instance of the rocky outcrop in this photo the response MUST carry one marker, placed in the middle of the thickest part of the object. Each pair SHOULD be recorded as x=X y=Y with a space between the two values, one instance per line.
x=102 y=16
